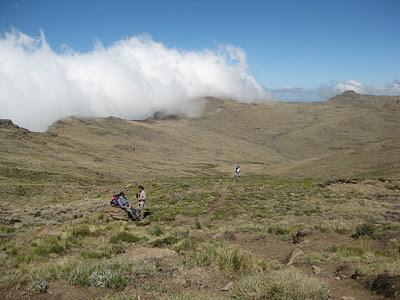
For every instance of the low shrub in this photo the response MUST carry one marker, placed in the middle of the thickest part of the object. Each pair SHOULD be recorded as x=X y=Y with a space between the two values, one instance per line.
x=365 y=229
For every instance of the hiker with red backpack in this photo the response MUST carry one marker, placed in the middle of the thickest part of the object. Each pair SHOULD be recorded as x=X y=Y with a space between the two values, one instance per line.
x=119 y=200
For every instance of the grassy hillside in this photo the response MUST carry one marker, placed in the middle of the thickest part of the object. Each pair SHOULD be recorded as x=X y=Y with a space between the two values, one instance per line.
x=315 y=214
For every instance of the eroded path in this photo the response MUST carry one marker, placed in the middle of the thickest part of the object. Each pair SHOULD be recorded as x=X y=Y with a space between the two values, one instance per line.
x=219 y=203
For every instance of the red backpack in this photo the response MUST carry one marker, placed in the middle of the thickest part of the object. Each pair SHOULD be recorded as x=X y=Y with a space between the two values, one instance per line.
x=113 y=201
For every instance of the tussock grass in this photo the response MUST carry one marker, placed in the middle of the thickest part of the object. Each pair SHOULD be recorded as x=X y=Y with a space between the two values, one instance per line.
x=48 y=245
x=107 y=273
x=170 y=239
x=230 y=259
x=197 y=224
x=314 y=258
x=360 y=248
x=80 y=231
x=95 y=254
x=202 y=256
x=164 y=241
x=6 y=229
x=187 y=244
x=365 y=229
x=279 y=230
x=124 y=237
x=157 y=230
x=281 y=284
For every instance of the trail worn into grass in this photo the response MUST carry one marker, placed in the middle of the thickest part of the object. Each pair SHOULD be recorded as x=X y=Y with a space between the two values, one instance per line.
x=206 y=218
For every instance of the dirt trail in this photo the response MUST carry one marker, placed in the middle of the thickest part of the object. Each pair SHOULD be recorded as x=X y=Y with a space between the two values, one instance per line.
x=205 y=219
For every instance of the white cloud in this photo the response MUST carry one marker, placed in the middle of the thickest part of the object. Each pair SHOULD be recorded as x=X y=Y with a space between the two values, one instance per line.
x=133 y=78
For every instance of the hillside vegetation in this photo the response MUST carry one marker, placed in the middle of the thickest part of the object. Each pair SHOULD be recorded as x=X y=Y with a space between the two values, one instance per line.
x=315 y=214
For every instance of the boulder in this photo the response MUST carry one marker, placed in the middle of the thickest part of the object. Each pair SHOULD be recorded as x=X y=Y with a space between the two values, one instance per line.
x=296 y=257
x=298 y=237
x=228 y=286
x=114 y=213
x=6 y=122
x=316 y=269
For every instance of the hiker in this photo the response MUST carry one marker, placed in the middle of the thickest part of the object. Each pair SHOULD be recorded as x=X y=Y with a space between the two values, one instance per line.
x=123 y=203
x=141 y=195
x=237 y=171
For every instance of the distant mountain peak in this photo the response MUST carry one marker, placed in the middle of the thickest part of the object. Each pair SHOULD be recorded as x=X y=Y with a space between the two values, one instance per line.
x=350 y=93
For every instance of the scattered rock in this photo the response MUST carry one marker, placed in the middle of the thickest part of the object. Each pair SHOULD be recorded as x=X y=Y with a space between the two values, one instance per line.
x=40 y=286
x=337 y=181
x=12 y=221
x=6 y=122
x=344 y=272
x=386 y=285
x=228 y=286
x=299 y=235
x=187 y=283
x=296 y=255
x=114 y=213
x=355 y=275
x=316 y=269
x=129 y=185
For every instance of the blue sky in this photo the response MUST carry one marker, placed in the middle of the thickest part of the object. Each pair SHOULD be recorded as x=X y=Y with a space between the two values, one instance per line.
x=288 y=43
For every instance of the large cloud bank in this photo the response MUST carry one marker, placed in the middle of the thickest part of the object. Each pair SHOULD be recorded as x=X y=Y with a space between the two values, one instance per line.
x=132 y=78
x=325 y=91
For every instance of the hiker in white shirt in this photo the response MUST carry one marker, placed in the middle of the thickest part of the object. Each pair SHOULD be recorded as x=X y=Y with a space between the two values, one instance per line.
x=142 y=200
x=237 y=171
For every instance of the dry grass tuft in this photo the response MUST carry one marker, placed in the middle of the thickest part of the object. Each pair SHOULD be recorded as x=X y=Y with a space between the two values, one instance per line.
x=282 y=284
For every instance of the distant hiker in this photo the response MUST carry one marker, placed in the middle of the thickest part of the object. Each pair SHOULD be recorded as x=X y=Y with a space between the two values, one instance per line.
x=123 y=203
x=237 y=171
x=141 y=195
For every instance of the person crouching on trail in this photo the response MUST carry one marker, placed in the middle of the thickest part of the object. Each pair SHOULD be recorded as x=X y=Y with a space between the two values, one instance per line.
x=124 y=204
x=142 y=200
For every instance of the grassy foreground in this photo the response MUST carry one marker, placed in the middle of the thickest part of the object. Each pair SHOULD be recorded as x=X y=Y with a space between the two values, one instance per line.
x=215 y=237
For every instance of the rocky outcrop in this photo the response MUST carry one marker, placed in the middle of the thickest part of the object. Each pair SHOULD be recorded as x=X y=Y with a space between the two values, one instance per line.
x=114 y=213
